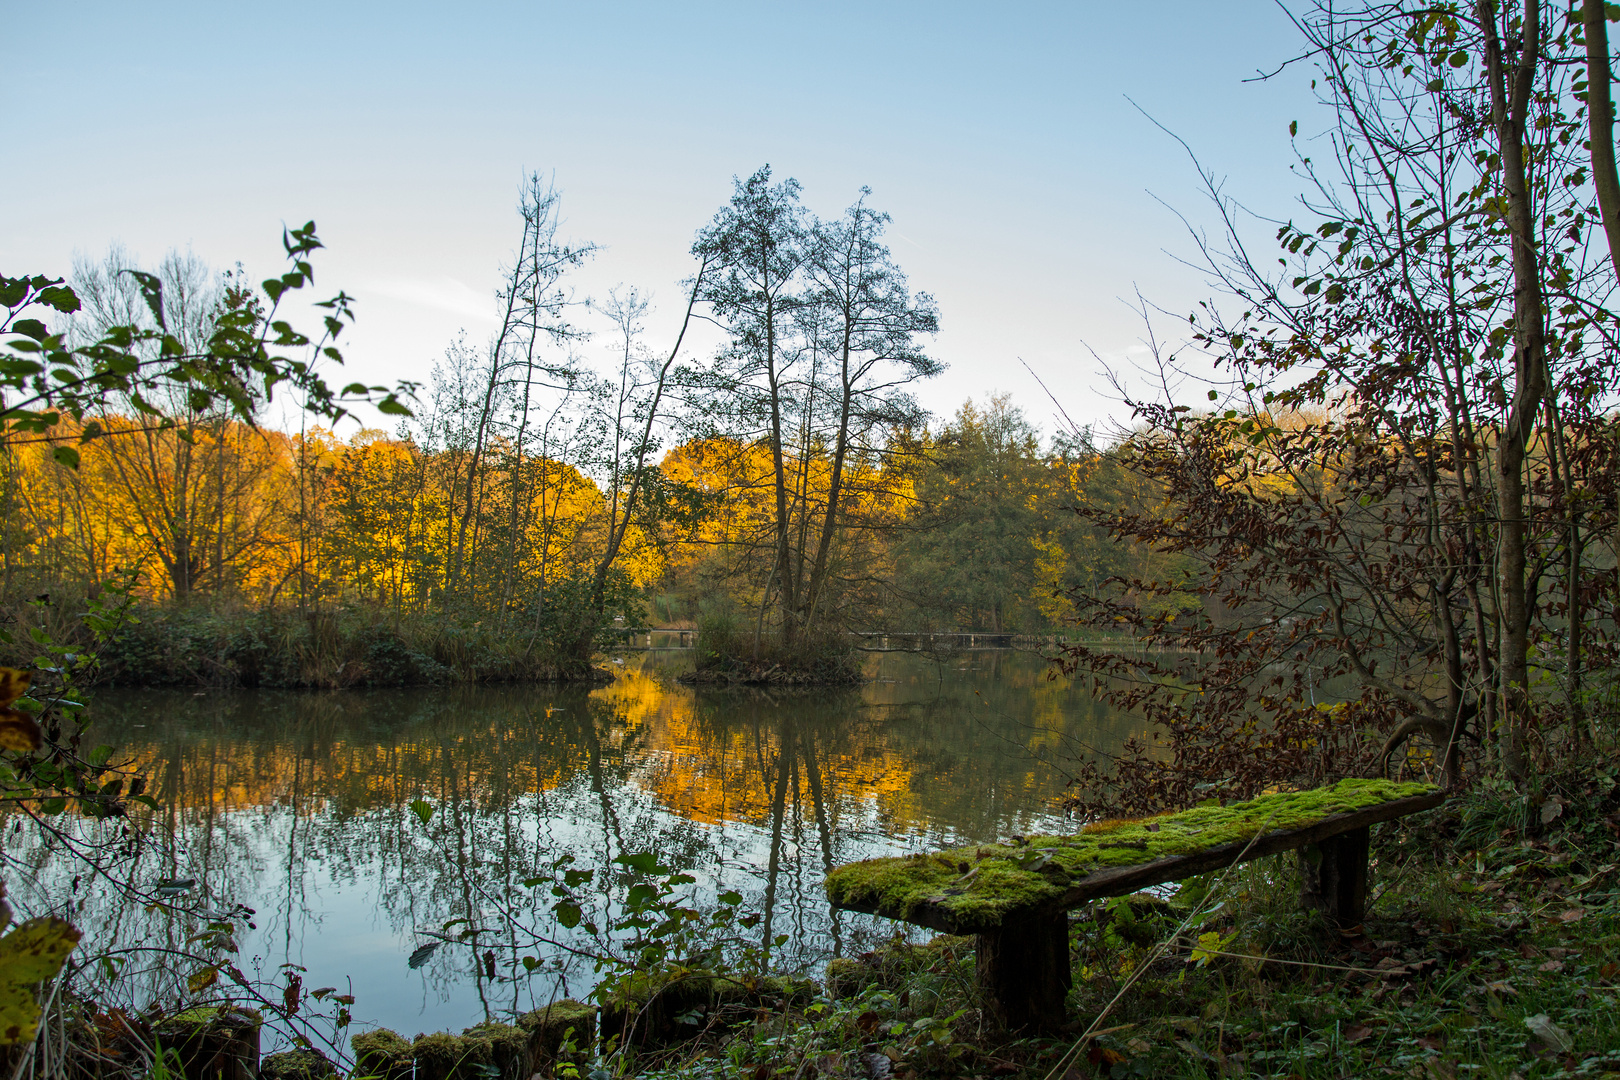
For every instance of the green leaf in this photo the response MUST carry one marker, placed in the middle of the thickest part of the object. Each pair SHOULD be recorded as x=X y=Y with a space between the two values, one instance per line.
x=568 y=914
x=30 y=954
x=422 y=810
x=60 y=297
x=645 y=861
x=152 y=293
x=1293 y=128
x=65 y=455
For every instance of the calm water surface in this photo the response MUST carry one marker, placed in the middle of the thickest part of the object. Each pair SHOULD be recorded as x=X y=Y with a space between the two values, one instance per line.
x=298 y=805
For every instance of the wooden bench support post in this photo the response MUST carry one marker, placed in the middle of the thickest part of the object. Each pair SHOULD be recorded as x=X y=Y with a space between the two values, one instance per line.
x=1024 y=972
x=1333 y=876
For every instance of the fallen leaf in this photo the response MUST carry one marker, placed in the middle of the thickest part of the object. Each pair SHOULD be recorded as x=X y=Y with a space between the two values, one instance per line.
x=1139 y=1047
x=1551 y=809
x=1432 y=1042
x=1501 y=986
x=1553 y=965
x=1572 y=915
x=1355 y=1033
x=1556 y=1038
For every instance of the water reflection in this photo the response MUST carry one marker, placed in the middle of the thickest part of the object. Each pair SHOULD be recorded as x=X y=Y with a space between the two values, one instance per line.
x=298 y=804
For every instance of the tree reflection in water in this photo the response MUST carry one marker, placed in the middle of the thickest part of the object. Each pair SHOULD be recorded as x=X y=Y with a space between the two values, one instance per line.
x=298 y=804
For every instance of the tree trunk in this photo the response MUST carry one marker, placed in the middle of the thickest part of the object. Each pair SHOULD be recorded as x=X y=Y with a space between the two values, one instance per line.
x=1509 y=111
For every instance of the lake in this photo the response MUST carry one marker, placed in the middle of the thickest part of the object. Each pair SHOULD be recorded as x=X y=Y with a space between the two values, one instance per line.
x=299 y=806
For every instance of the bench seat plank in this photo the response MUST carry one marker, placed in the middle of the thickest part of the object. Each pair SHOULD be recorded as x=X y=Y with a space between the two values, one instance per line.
x=975 y=889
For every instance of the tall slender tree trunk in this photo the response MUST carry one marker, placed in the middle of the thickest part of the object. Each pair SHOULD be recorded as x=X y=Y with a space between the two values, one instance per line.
x=1509 y=108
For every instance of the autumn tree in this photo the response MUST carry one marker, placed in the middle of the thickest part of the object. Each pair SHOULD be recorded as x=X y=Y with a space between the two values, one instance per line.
x=1440 y=324
x=824 y=338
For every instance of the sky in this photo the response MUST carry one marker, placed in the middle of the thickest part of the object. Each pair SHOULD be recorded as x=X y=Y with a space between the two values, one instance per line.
x=1012 y=144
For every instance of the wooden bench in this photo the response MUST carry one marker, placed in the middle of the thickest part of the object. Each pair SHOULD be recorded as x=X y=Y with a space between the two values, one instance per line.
x=1014 y=897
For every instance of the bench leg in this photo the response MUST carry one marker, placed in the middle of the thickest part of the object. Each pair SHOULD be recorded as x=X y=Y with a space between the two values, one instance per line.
x=1024 y=970
x=1333 y=877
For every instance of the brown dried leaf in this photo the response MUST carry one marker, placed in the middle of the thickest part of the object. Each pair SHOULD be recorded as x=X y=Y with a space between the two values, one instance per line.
x=13 y=685
x=19 y=731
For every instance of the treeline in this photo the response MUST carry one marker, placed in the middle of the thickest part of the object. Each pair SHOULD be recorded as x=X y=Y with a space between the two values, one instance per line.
x=563 y=480
x=964 y=526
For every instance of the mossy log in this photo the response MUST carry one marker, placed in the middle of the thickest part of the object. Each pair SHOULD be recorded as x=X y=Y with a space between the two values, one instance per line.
x=214 y=1043
x=1013 y=896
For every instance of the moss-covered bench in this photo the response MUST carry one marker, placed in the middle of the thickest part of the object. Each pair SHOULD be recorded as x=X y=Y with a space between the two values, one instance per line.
x=1014 y=897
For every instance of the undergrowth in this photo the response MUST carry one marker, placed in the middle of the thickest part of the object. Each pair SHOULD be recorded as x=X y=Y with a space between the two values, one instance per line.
x=330 y=647
x=1492 y=949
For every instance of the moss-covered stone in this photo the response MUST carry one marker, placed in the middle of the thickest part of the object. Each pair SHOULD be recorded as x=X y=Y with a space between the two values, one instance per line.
x=381 y=1055
x=508 y=1048
x=549 y=1026
x=305 y=1064
x=978 y=886
x=847 y=976
x=669 y=1004
x=443 y=1056
x=893 y=966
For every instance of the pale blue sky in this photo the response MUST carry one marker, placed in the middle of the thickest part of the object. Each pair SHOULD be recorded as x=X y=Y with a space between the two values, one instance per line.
x=999 y=136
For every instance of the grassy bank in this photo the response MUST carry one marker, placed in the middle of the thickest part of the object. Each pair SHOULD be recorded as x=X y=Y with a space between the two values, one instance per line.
x=1492 y=950
x=330 y=647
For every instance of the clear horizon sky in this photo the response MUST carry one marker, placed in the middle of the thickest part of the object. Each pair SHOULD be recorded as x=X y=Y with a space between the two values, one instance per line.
x=1024 y=185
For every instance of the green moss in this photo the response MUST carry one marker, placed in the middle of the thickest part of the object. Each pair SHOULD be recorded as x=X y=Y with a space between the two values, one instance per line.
x=548 y=1027
x=204 y=1015
x=507 y=1047
x=896 y=965
x=847 y=976
x=296 y=1065
x=381 y=1053
x=978 y=886
x=442 y=1056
